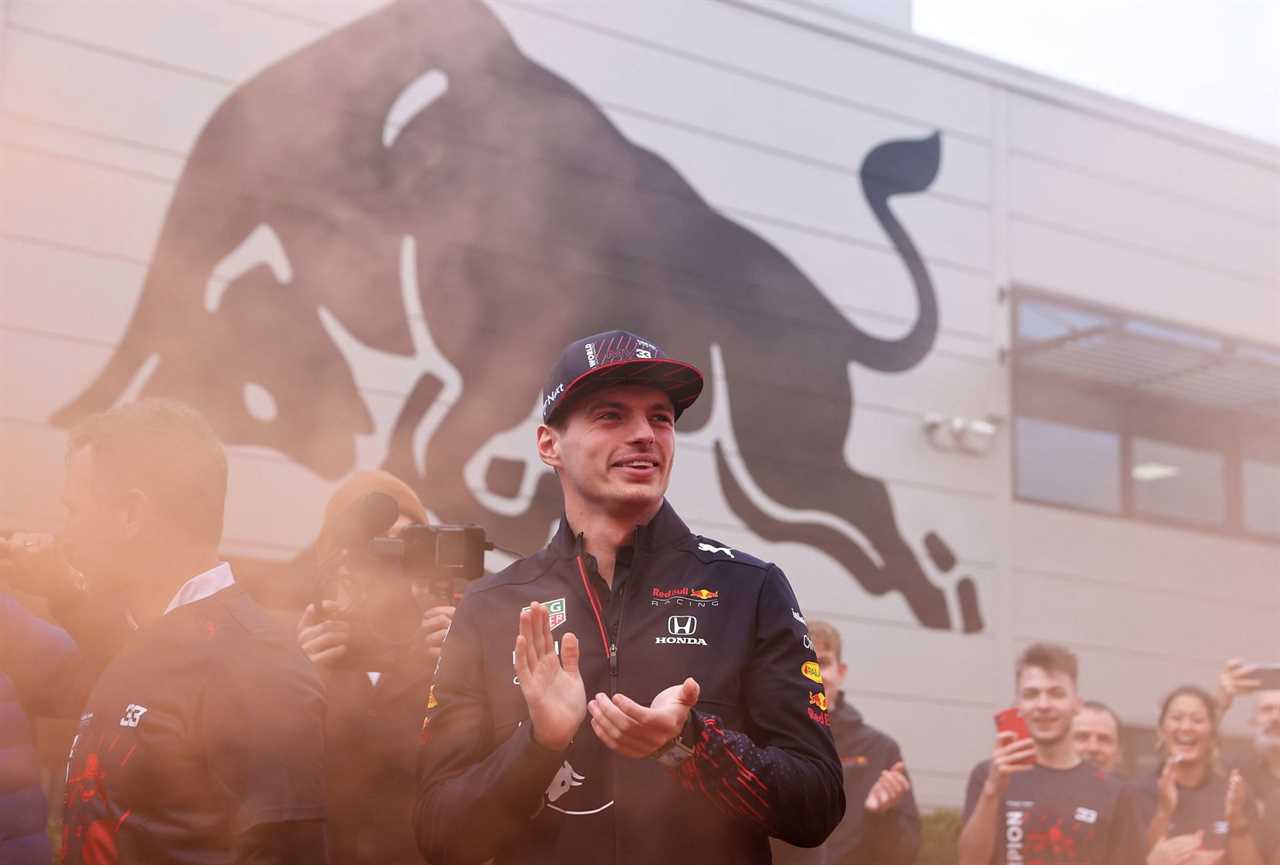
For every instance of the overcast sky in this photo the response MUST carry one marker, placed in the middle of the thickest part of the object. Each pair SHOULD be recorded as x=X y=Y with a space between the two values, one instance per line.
x=1215 y=61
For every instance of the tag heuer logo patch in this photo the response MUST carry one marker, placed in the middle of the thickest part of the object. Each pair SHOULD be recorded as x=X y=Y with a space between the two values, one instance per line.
x=556 y=609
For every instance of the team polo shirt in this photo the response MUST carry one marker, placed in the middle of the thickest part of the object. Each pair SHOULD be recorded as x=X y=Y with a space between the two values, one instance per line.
x=1059 y=817
x=209 y=722
x=1202 y=808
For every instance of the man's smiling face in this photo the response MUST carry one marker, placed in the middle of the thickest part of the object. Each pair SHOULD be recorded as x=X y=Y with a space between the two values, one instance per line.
x=614 y=449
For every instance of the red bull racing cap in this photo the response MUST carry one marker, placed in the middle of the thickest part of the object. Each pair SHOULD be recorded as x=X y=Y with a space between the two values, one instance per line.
x=617 y=357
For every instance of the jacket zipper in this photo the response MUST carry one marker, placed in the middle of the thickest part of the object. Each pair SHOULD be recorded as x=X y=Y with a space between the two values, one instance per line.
x=622 y=609
x=610 y=650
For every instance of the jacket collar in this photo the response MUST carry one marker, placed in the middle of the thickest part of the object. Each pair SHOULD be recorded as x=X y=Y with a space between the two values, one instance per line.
x=202 y=586
x=665 y=529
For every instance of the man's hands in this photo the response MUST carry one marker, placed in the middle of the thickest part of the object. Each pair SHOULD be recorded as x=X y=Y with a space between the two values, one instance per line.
x=1007 y=760
x=33 y=563
x=888 y=790
x=1233 y=681
x=432 y=631
x=552 y=687
x=1183 y=850
x=324 y=639
x=636 y=731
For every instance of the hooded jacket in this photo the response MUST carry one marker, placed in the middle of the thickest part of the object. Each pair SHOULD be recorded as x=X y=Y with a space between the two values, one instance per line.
x=862 y=838
x=681 y=605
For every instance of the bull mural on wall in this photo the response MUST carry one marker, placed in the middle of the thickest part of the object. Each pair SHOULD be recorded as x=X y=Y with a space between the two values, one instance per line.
x=416 y=161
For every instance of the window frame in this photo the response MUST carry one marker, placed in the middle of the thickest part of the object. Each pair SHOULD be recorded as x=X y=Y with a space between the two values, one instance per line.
x=1114 y=409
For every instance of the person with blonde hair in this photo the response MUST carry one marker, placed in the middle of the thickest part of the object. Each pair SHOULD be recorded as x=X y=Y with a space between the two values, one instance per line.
x=881 y=824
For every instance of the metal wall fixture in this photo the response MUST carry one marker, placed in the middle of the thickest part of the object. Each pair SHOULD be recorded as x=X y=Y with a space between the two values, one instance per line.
x=965 y=435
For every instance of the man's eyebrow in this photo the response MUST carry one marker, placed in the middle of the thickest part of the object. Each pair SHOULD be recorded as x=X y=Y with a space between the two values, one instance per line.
x=594 y=404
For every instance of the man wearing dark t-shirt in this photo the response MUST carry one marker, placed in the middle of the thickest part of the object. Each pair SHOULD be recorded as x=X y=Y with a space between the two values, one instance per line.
x=202 y=741
x=1036 y=801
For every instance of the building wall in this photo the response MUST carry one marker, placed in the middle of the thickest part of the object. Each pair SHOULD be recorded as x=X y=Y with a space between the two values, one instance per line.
x=767 y=113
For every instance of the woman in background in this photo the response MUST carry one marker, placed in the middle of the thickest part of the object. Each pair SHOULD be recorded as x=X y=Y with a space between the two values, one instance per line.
x=1191 y=812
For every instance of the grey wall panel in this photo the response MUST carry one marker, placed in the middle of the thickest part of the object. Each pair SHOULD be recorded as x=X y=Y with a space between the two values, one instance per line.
x=1104 y=616
x=830 y=67
x=646 y=80
x=66 y=293
x=159 y=32
x=869 y=283
x=24 y=134
x=55 y=81
x=82 y=206
x=1149 y=222
x=1155 y=559
x=743 y=181
x=1130 y=156
x=1063 y=261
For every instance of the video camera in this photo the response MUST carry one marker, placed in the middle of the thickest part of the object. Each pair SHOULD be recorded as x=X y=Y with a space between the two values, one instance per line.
x=373 y=575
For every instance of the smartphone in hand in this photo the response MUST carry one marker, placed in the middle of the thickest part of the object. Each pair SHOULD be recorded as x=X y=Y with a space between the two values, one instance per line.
x=1011 y=721
x=1268 y=676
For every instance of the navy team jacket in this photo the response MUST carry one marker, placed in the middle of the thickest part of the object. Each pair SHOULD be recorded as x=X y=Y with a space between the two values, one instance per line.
x=681 y=605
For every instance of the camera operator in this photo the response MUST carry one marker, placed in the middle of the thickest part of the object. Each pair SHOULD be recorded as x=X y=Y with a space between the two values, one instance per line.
x=202 y=740
x=375 y=703
x=608 y=749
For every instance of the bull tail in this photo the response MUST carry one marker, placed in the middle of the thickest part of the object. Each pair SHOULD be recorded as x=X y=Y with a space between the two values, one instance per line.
x=896 y=168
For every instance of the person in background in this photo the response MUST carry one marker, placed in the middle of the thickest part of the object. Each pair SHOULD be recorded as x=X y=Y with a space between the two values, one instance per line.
x=202 y=740
x=371 y=731
x=37 y=663
x=1191 y=795
x=881 y=824
x=1261 y=766
x=1095 y=731
x=1036 y=799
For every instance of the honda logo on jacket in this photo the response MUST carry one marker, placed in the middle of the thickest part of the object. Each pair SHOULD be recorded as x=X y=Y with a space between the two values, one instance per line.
x=682 y=629
x=682 y=626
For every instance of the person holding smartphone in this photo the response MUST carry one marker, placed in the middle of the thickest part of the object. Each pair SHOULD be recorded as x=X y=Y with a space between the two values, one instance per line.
x=1036 y=799
x=1261 y=767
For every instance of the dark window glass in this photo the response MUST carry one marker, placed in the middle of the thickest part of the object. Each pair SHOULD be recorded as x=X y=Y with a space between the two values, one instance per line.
x=1067 y=465
x=1261 y=497
x=1117 y=413
x=1042 y=321
x=1178 y=482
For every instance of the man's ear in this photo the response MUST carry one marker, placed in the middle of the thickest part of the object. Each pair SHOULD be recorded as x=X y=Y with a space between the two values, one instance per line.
x=549 y=445
x=137 y=515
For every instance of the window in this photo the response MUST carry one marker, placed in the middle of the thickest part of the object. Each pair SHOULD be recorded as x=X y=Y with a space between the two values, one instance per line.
x=1178 y=482
x=1042 y=447
x=1116 y=414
